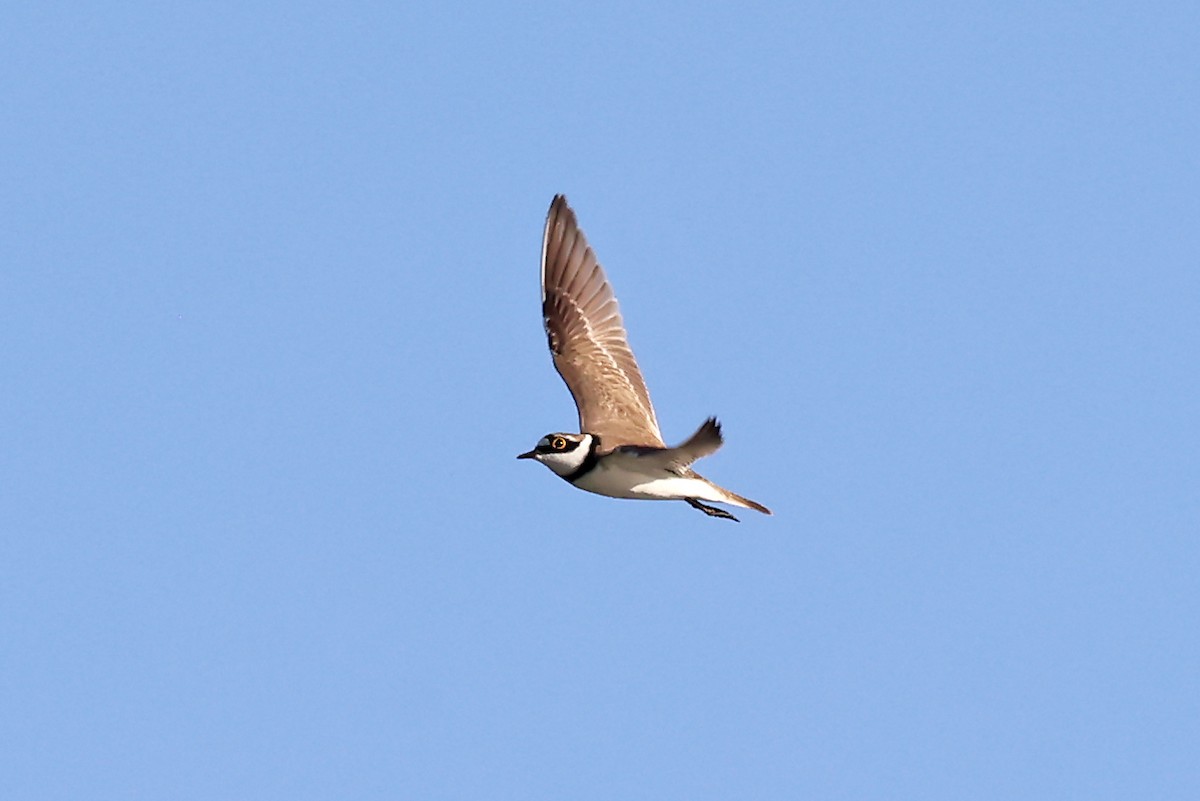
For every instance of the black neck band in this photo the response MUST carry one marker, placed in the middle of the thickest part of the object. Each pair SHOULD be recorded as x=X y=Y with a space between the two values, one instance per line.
x=588 y=462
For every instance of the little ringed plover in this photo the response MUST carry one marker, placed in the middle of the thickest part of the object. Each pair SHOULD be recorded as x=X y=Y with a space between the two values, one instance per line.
x=620 y=452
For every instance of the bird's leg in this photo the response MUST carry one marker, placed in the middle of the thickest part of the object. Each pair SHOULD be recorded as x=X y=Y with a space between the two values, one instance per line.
x=711 y=511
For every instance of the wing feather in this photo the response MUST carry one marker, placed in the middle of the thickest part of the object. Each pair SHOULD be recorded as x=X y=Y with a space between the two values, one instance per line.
x=587 y=338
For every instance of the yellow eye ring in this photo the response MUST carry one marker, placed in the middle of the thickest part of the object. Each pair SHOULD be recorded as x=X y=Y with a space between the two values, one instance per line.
x=558 y=443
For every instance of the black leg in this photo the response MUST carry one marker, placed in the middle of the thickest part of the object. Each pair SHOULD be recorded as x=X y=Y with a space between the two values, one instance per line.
x=711 y=511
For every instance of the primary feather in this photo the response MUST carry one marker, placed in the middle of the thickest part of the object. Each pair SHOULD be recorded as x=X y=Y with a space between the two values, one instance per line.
x=587 y=338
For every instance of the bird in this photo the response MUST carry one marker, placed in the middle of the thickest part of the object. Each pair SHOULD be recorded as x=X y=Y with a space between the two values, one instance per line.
x=619 y=451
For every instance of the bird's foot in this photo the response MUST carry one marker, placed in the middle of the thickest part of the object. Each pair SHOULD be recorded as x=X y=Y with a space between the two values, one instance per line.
x=711 y=511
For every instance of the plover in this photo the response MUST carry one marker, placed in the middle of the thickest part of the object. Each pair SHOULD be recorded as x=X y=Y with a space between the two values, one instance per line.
x=620 y=452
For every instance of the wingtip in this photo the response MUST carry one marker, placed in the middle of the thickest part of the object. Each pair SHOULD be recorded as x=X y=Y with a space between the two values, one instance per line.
x=559 y=220
x=708 y=432
x=758 y=507
x=749 y=504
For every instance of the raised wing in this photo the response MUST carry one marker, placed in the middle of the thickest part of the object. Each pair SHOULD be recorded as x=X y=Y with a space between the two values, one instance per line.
x=587 y=338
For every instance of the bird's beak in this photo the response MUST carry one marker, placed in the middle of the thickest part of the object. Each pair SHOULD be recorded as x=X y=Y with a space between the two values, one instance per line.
x=528 y=455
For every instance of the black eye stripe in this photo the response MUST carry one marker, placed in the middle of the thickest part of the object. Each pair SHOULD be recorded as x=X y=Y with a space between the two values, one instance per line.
x=550 y=443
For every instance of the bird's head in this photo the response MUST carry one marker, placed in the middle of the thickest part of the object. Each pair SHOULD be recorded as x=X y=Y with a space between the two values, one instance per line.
x=562 y=453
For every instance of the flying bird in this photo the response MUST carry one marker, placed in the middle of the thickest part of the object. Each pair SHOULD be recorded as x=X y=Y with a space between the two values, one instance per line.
x=620 y=451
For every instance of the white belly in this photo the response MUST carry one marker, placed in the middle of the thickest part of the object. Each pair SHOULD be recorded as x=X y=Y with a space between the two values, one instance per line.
x=612 y=477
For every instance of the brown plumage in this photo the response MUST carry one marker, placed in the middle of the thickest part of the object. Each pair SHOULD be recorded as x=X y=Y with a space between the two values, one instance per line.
x=587 y=338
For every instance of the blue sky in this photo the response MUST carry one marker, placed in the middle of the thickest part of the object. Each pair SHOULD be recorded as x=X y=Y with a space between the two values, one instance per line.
x=271 y=342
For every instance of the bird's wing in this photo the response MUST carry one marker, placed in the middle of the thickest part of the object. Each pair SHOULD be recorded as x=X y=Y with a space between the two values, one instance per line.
x=587 y=338
x=706 y=441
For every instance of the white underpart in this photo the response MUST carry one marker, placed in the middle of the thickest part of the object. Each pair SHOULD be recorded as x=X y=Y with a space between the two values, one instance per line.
x=621 y=476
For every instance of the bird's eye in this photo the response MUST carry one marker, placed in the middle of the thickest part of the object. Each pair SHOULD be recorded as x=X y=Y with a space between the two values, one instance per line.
x=558 y=443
